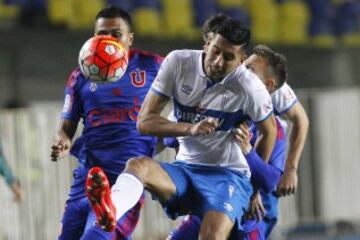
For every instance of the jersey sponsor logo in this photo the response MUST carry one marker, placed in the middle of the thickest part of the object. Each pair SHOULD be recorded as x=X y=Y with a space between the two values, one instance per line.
x=93 y=87
x=116 y=91
x=192 y=117
x=67 y=102
x=97 y=117
x=138 y=78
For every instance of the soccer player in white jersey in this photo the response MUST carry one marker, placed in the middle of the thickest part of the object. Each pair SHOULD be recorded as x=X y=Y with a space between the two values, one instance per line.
x=212 y=93
x=287 y=106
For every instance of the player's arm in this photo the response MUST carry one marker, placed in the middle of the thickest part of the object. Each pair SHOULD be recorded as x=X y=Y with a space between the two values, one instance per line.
x=70 y=118
x=63 y=139
x=152 y=123
x=300 y=127
x=266 y=142
x=263 y=175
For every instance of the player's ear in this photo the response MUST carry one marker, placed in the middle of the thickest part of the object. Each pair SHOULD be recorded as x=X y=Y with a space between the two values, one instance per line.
x=271 y=84
x=131 y=39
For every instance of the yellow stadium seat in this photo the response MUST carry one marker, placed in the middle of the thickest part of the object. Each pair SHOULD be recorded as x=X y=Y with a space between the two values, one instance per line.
x=294 y=20
x=8 y=11
x=323 y=41
x=147 y=22
x=83 y=13
x=178 y=17
x=59 y=11
x=350 y=40
x=231 y=3
x=264 y=21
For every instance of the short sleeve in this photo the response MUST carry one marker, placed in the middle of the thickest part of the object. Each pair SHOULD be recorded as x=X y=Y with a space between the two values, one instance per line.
x=72 y=102
x=165 y=80
x=283 y=99
x=260 y=106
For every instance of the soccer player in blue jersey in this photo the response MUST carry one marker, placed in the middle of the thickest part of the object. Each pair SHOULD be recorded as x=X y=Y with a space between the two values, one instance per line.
x=212 y=92
x=272 y=70
x=109 y=138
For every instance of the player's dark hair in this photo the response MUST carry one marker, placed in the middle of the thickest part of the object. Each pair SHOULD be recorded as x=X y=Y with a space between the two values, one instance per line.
x=212 y=23
x=277 y=63
x=114 y=12
x=234 y=32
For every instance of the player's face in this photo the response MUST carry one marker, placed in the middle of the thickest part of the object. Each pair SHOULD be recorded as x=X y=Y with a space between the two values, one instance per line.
x=115 y=27
x=259 y=66
x=221 y=58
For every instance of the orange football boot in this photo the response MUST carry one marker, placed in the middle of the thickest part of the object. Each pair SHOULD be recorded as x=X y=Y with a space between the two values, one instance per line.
x=99 y=194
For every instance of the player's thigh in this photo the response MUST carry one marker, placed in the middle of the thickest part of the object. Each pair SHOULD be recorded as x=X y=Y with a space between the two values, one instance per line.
x=73 y=221
x=215 y=225
x=155 y=179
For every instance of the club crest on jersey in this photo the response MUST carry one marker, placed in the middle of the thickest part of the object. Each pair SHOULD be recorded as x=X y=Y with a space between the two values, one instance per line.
x=93 y=87
x=138 y=78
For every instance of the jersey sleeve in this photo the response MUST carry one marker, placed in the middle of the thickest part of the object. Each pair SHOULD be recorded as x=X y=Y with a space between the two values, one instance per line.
x=164 y=82
x=72 y=103
x=260 y=106
x=283 y=99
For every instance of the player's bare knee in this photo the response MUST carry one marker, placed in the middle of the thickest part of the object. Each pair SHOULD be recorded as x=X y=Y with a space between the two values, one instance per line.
x=139 y=166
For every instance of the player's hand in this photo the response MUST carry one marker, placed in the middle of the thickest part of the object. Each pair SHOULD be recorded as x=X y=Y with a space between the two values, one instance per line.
x=256 y=208
x=204 y=127
x=16 y=189
x=60 y=148
x=288 y=183
x=243 y=135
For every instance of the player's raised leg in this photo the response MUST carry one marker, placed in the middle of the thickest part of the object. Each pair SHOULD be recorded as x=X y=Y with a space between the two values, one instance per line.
x=140 y=173
x=98 y=193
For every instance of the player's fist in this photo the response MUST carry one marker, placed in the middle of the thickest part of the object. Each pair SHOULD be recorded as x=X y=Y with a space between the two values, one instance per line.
x=204 y=127
x=288 y=183
x=60 y=148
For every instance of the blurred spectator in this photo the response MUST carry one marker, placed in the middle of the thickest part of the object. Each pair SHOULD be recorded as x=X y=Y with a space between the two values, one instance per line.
x=11 y=181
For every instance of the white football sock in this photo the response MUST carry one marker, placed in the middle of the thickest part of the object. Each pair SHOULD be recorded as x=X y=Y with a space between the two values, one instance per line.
x=125 y=193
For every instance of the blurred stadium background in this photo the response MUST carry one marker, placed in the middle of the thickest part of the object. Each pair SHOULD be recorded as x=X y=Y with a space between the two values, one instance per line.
x=321 y=38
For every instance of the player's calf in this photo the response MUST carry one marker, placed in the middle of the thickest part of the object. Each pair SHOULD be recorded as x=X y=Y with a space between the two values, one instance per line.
x=98 y=193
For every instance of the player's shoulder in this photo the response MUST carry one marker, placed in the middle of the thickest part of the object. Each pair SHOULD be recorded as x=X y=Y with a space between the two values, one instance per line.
x=185 y=54
x=249 y=81
x=76 y=77
x=137 y=54
x=285 y=91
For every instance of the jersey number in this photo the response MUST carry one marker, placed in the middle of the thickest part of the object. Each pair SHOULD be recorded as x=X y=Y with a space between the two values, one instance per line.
x=138 y=78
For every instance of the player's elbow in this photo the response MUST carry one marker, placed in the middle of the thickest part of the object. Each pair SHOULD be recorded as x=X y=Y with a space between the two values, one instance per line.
x=143 y=125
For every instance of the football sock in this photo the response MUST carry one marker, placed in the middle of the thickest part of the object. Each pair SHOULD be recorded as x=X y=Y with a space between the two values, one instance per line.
x=125 y=193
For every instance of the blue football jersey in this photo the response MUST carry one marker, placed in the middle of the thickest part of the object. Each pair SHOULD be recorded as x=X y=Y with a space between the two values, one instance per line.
x=109 y=113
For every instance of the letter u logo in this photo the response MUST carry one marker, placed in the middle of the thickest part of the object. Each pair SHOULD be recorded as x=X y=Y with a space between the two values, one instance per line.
x=138 y=78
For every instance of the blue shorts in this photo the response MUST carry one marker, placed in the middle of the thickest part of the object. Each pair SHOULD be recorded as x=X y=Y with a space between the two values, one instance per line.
x=200 y=189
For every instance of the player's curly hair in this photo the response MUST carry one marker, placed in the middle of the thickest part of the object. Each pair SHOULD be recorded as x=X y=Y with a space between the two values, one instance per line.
x=276 y=61
x=114 y=12
x=234 y=32
x=212 y=23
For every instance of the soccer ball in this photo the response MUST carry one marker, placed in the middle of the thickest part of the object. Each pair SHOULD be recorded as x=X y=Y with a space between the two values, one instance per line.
x=103 y=59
